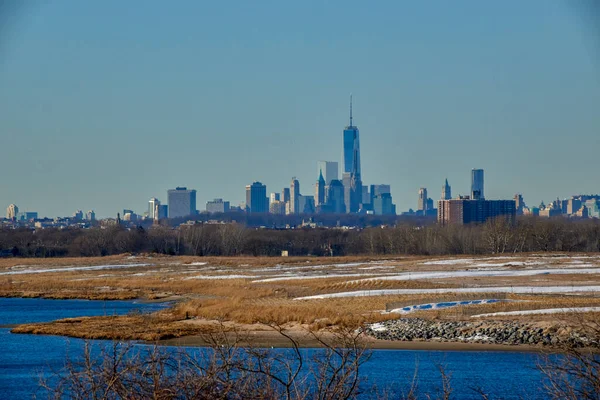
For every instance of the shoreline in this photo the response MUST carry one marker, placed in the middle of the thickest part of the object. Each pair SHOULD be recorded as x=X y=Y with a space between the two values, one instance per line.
x=272 y=339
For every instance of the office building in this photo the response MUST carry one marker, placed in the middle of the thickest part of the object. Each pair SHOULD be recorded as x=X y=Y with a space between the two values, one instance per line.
x=306 y=204
x=329 y=169
x=351 y=176
x=519 y=203
x=182 y=202
x=294 y=195
x=446 y=191
x=382 y=205
x=377 y=190
x=12 y=211
x=335 y=198
x=78 y=215
x=90 y=215
x=274 y=197
x=285 y=195
x=573 y=205
x=277 y=207
x=593 y=208
x=163 y=211
x=422 y=203
x=477 y=184
x=153 y=204
x=256 y=198
x=465 y=210
x=366 y=196
x=217 y=206
x=27 y=216
x=320 y=190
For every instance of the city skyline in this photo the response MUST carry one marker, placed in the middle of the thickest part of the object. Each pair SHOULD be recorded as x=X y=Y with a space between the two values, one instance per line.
x=119 y=115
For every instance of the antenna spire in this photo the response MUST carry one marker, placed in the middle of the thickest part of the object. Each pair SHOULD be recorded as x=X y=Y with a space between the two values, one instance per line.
x=350 y=109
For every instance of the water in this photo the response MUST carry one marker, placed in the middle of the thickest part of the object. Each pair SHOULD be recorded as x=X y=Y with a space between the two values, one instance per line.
x=24 y=358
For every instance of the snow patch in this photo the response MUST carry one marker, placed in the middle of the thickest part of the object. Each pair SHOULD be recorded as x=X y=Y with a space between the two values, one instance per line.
x=542 y=311
x=68 y=269
x=492 y=289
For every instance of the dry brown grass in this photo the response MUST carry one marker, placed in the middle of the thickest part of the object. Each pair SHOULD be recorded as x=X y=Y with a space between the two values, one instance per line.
x=247 y=302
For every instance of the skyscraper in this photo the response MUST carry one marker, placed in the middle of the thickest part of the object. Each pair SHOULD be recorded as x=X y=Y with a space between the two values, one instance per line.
x=217 y=206
x=351 y=175
x=446 y=191
x=320 y=190
x=153 y=204
x=294 y=194
x=256 y=198
x=335 y=197
x=329 y=169
x=422 y=204
x=477 y=184
x=12 y=211
x=285 y=195
x=182 y=202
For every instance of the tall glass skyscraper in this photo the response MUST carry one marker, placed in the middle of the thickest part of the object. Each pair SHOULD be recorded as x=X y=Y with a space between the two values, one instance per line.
x=351 y=167
x=351 y=148
x=477 y=184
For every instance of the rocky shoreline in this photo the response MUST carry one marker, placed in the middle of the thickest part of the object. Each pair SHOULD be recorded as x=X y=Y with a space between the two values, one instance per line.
x=488 y=332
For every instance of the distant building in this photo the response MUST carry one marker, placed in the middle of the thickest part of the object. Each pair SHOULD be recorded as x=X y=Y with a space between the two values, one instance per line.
x=285 y=195
x=217 y=206
x=335 y=198
x=320 y=190
x=430 y=206
x=163 y=211
x=12 y=211
x=277 y=207
x=351 y=176
x=382 y=205
x=182 y=202
x=446 y=191
x=366 y=196
x=78 y=215
x=477 y=184
x=422 y=202
x=274 y=197
x=329 y=169
x=306 y=204
x=256 y=198
x=153 y=204
x=294 y=194
x=27 y=216
x=573 y=205
x=519 y=204
x=90 y=216
x=376 y=190
x=593 y=208
x=465 y=210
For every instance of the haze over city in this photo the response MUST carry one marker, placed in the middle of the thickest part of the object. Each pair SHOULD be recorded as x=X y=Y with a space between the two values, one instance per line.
x=106 y=105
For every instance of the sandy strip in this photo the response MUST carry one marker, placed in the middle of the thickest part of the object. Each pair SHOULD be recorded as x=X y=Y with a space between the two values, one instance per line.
x=271 y=339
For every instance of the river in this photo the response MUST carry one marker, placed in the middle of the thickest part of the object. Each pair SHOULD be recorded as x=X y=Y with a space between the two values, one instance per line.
x=24 y=358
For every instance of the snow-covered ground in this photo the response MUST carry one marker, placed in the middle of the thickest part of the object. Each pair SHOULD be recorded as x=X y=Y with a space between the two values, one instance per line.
x=409 y=276
x=541 y=311
x=492 y=289
x=69 y=269
x=442 y=305
x=205 y=277
x=297 y=277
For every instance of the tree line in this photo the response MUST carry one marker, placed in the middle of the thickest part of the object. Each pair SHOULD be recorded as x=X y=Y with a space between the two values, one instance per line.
x=528 y=234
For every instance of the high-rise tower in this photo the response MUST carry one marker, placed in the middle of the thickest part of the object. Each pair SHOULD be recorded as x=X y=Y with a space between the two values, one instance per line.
x=446 y=191
x=477 y=184
x=294 y=196
x=320 y=190
x=351 y=167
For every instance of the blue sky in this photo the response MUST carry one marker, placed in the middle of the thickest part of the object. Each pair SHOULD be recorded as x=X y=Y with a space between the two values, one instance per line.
x=106 y=104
